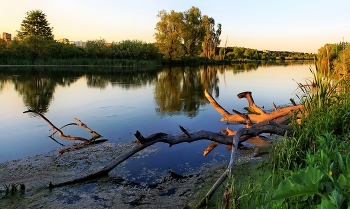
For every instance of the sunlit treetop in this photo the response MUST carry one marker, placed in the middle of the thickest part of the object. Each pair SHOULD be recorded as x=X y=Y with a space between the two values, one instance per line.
x=35 y=24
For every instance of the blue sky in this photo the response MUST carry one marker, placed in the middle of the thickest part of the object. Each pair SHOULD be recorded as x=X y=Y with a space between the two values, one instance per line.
x=298 y=25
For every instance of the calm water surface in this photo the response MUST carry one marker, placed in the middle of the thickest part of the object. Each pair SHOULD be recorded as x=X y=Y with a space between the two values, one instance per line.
x=116 y=104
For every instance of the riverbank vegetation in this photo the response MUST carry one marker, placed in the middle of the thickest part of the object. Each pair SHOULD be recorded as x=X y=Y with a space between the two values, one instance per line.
x=186 y=38
x=311 y=168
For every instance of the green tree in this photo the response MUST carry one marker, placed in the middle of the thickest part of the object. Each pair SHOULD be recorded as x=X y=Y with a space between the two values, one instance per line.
x=168 y=35
x=248 y=53
x=36 y=33
x=212 y=37
x=327 y=54
x=3 y=49
x=35 y=24
x=193 y=31
x=18 y=50
x=342 y=62
x=96 y=48
x=256 y=54
x=238 y=52
x=222 y=53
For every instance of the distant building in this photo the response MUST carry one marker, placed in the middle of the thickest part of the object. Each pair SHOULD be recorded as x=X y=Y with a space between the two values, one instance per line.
x=66 y=41
x=75 y=43
x=6 y=36
x=80 y=44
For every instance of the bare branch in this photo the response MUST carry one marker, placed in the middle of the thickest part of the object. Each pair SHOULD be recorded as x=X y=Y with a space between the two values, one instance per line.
x=148 y=141
x=252 y=106
x=274 y=106
x=212 y=190
x=139 y=137
x=293 y=102
x=69 y=124
x=94 y=133
x=61 y=134
x=210 y=148
x=245 y=117
x=185 y=131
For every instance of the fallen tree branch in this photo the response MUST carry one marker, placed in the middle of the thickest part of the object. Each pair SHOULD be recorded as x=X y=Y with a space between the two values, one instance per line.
x=94 y=133
x=258 y=128
x=212 y=190
x=261 y=118
x=226 y=173
x=254 y=117
x=252 y=107
x=69 y=124
x=210 y=148
x=60 y=132
x=148 y=141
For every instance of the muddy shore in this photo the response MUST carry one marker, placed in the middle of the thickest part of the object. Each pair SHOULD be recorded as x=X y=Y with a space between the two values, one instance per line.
x=113 y=191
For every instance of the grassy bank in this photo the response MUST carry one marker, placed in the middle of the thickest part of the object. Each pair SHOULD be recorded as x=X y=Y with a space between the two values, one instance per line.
x=311 y=168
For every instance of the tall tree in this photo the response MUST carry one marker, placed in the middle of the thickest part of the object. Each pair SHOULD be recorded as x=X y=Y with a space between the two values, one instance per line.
x=193 y=31
x=36 y=33
x=168 y=34
x=35 y=24
x=212 y=37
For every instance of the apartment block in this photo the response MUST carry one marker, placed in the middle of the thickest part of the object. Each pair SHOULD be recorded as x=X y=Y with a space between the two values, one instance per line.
x=6 y=36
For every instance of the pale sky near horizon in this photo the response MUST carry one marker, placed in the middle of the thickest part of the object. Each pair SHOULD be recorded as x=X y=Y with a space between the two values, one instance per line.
x=298 y=25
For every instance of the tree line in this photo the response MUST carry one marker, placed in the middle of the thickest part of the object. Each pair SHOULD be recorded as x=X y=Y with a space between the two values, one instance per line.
x=43 y=51
x=35 y=44
x=180 y=37
x=335 y=58
x=245 y=54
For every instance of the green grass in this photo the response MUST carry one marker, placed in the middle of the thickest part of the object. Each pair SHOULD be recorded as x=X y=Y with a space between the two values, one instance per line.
x=319 y=150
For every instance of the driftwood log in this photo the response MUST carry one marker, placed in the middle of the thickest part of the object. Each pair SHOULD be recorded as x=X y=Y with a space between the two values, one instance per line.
x=274 y=122
x=257 y=122
x=258 y=114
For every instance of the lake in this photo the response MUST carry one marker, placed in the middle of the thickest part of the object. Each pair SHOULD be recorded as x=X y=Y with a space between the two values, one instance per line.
x=116 y=102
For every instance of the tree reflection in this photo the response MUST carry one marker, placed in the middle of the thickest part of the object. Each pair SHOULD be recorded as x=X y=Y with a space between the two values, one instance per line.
x=37 y=87
x=250 y=66
x=181 y=90
x=96 y=81
x=4 y=79
x=245 y=67
x=121 y=79
x=210 y=81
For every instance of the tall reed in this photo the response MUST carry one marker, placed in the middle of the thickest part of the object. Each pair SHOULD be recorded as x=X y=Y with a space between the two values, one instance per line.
x=320 y=92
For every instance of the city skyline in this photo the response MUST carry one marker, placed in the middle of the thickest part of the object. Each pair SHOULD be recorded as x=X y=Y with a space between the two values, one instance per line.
x=300 y=26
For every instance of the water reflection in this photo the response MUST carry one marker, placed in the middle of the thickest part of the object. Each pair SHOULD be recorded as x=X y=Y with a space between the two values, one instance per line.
x=242 y=67
x=149 y=100
x=179 y=90
x=37 y=85
x=126 y=80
